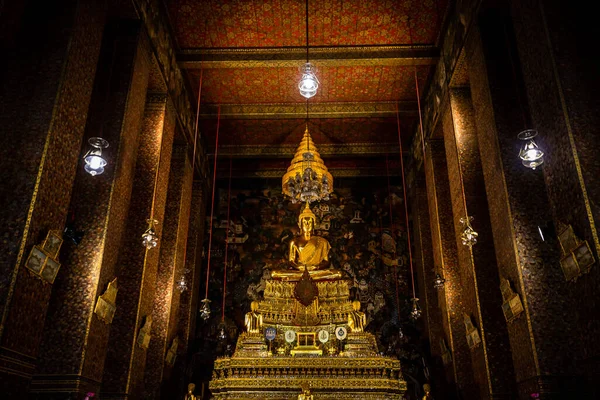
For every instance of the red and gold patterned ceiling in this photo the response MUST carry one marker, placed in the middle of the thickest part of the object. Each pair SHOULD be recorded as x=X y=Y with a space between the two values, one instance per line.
x=249 y=53
x=281 y=23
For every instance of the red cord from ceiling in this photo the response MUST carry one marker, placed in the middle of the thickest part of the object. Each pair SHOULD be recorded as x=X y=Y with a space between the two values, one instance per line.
x=226 y=242
x=412 y=274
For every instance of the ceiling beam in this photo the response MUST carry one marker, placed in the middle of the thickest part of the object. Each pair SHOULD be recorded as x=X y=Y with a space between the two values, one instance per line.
x=282 y=57
x=316 y=110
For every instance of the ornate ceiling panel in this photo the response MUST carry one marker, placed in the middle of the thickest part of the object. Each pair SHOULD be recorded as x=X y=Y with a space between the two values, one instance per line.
x=338 y=84
x=325 y=131
x=281 y=23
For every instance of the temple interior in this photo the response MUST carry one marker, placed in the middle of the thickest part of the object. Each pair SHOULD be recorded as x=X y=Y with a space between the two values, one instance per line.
x=299 y=200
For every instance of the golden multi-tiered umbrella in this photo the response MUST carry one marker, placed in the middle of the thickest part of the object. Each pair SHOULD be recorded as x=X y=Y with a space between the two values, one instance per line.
x=307 y=178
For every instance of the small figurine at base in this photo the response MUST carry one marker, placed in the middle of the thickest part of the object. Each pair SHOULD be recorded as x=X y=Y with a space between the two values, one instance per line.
x=305 y=395
x=254 y=320
x=190 y=394
x=357 y=319
x=427 y=390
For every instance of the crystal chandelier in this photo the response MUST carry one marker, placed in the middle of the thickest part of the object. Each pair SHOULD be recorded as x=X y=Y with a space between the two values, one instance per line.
x=150 y=238
x=205 y=309
x=439 y=281
x=94 y=162
x=307 y=178
x=415 y=313
x=469 y=236
x=531 y=155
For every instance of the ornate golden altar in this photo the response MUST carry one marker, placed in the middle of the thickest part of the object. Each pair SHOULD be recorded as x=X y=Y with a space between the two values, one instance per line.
x=340 y=369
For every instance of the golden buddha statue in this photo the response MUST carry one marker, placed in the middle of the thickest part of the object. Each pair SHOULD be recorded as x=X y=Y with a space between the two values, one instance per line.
x=309 y=252
x=253 y=319
x=357 y=319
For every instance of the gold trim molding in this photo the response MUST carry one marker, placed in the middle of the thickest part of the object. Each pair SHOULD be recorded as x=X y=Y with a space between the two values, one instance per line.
x=288 y=150
x=317 y=110
x=284 y=57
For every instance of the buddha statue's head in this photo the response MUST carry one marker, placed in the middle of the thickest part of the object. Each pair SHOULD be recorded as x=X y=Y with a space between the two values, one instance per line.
x=307 y=220
x=254 y=305
x=356 y=305
x=191 y=388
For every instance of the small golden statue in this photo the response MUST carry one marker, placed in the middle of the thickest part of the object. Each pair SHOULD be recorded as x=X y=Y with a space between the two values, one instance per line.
x=357 y=319
x=305 y=395
x=427 y=390
x=254 y=319
x=190 y=394
x=309 y=252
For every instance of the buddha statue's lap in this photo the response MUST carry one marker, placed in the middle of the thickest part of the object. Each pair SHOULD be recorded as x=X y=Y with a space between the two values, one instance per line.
x=308 y=252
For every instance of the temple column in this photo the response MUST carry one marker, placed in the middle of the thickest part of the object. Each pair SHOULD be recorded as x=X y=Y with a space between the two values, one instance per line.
x=189 y=300
x=479 y=272
x=542 y=339
x=74 y=340
x=445 y=255
x=137 y=273
x=562 y=88
x=170 y=270
x=47 y=78
x=431 y=298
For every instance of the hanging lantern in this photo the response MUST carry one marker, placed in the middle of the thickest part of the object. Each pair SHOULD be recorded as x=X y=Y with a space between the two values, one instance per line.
x=531 y=155
x=94 y=162
x=182 y=285
x=469 y=236
x=205 y=309
x=439 y=281
x=309 y=83
x=415 y=313
x=222 y=335
x=149 y=237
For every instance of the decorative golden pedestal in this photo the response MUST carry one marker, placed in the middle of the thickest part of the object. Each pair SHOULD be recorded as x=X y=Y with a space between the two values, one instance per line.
x=340 y=370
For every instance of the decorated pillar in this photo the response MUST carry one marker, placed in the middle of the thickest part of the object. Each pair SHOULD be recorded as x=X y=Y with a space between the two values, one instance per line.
x=543 y=330
x=47 y=79
x=454 y=348
x=431 y=296
x=132 y=327
x=485 y=327
x=81 y=307
x=172 y=278
x=189 y=299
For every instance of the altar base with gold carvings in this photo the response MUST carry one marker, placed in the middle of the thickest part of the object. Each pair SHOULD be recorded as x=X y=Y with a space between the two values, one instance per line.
x=340 y=370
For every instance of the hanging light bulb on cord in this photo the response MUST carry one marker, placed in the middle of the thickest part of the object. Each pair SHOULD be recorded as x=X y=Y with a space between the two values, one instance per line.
x=149 y=237
x=309 y=83
x=94 y=162
x=530 y=154
x=439 y=281
x=205 y=309
x=415 y=313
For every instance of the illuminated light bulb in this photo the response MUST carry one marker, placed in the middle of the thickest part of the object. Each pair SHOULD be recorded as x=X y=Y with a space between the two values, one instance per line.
x=309 y=83
x=530 y=154
x=94 y=162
